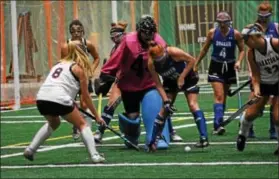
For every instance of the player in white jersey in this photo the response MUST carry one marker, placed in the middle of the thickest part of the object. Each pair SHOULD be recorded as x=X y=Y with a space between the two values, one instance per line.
x=56 y=98
x=263 y=58
x=76 y=30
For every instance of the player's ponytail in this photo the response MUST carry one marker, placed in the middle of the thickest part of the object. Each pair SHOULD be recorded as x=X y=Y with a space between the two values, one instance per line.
x=76 y=54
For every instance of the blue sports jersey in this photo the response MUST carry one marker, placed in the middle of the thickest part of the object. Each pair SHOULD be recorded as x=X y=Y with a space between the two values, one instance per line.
x=271 y=31
x=170 y=69
x=223 y=47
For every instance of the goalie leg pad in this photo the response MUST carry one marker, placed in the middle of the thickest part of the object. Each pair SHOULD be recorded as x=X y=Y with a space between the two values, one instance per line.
x=151 y=105
x=107 y=115
x=130 y=128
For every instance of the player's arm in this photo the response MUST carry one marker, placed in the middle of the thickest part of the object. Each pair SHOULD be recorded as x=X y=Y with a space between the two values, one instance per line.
x=79 y=73
x=275 y=44
x=205 y=48
x=277 y=27
x=95 y=55
x=156 y=79
x=64 y=50
x=179 y=55
x=255 y=75
x=240 y=45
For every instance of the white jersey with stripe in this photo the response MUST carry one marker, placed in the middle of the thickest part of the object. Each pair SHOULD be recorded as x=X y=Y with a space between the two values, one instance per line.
x=60 y=86
x=268 y=64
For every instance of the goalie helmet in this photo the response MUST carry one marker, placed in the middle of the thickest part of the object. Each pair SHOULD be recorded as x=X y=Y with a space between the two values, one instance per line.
x=147 y=26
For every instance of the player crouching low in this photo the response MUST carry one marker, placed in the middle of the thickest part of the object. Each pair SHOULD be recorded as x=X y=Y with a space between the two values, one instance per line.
x=175 y=67
x=56 y=98
x=263 y=58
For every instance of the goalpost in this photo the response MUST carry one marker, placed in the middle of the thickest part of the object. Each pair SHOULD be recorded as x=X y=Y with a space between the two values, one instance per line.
x=15 y=56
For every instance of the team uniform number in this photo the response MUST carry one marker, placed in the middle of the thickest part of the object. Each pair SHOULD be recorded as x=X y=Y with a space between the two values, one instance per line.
x=272 y=69
x=223 y=53
x=57 y=73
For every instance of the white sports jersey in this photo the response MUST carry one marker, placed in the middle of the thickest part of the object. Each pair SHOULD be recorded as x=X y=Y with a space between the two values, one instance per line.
x=268 y=64
x=60 y=86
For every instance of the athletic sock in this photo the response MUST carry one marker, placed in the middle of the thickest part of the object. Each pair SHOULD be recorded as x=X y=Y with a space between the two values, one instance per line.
x=201 y=123
x=171 y=130
x=40 y=137
x=218 y=114
x=88 y=140
x=107 y=115
x=244 y=126
x=157 y=128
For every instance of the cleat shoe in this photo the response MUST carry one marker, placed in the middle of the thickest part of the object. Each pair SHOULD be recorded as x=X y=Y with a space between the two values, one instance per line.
x=98 y=136
x=175 y=138
x=276 y=151
x=28 y=154
x=202 y=143
x=272 y=135
x=98 y=158
x=76 y=134
x=220 y=131
x=240 y=142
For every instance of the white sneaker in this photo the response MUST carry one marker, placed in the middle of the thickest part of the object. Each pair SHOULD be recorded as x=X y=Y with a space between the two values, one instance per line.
x=28 y=154
x=76 y=134
x=98 y=158
x=175 y=138
x=98 y=136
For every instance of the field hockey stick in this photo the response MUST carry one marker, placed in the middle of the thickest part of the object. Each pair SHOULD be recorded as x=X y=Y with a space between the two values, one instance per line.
x=232 y=93
x=100 y=98
x=239 y=111
x=112 y=130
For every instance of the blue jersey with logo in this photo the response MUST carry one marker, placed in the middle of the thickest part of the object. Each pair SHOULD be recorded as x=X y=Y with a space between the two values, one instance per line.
x=271 y=31
x=223 y=47
x=170 y=69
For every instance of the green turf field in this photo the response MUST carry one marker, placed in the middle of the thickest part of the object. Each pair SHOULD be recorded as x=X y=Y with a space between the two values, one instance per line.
x=62 y=157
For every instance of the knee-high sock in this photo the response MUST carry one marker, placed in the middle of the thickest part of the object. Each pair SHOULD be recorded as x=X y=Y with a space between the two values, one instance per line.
x=171 y=130
x=244 y=126
x=88 y=140
x=107 y=115
x=40 y=137
x=201 y=123
x=271 y=124
x=158 y=127
x=218 y=114
x=87 y=118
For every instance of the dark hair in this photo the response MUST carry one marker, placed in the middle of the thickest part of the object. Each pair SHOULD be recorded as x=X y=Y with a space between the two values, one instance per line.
x=76 y=22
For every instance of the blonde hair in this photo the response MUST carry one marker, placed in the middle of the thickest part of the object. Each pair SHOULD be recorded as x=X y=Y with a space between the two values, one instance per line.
x=76 y=54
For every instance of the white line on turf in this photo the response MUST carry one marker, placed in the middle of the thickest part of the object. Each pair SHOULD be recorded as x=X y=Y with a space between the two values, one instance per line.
x=138 y=164
x=104 y=139
x=113 y=120
x=75 y=145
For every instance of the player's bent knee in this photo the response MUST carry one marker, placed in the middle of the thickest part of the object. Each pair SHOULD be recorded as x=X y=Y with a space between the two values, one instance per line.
x=130 y=127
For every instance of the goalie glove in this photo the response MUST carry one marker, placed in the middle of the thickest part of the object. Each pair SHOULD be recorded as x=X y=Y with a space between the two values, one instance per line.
x=103 y=84
x=168 y=106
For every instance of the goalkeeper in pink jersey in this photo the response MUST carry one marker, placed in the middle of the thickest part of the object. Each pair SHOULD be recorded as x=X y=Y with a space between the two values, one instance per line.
x=129 y=65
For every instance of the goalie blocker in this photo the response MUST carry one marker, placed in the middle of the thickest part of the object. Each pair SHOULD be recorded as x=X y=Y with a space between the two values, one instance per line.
x=103 y=84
